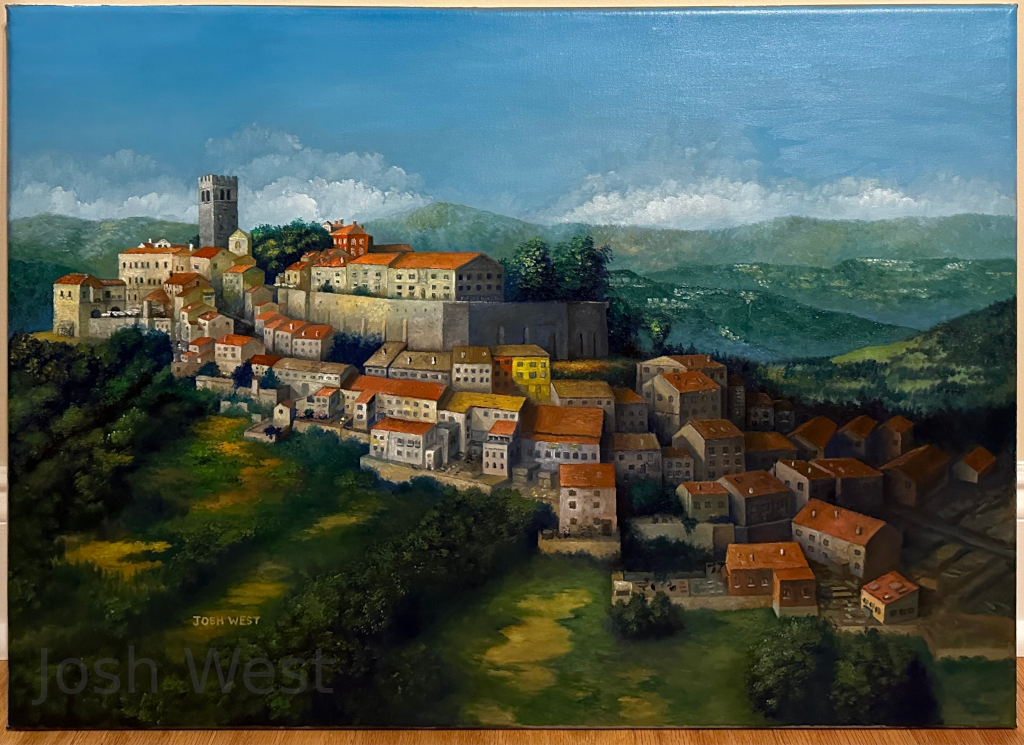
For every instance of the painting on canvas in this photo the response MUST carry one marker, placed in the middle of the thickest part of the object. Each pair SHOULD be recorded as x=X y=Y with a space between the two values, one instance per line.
x=466 y=368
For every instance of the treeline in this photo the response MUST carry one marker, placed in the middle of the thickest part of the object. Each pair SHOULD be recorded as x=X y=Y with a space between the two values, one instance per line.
x=575 y=269
x=276 y=247
x=80 y=418
x=805 y=672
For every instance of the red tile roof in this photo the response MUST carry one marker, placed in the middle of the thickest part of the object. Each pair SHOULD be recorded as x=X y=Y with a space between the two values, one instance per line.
x=151 y=250
x=402 y=426
x=265 y=359
x=676 y=452
x=714 y=429
x=817 y=431
x=704 y=487
x=753 y=484
x=398 y=387
x=631 y=441
x=207 y=252
x=839 y=522
x=898 y=424
x=586 y=476
x=505 y=427
x=376 y=259
x=627 y=396
x=235 y=340
x=112 y=282
x=268 y=315
x=808 y=470
x=784 y=555
x=78 y=279
x=209 y=315
x=434 y=260
x=766 y=441
x=158 y=296
x=183 y=278
x=202 y=341
x=846 y=468
x=353 y=229
x=919 y=464
x=572 y=421
x=979 y=459
x=889 y=587
x=695 y=361
x=688 y=382
x=860 y=426
x=315 y=331
x=291 y=326
x=327 y=391
x=241 y=268
x=337 y=259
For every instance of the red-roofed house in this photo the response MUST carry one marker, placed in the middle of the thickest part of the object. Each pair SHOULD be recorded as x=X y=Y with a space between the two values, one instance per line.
x=370 y=272
x=420 y=444
x=144 y=268
x=717 y=447
x=297 y=276
x=916 y=475
x=892 y=438
x=676 y=397
x=586 y=499
x=284 y=336
x=812 y=438
x=630 y=411
x=326 y=402
x=233 y=350
x=760 y=506
x=858 y=486
x=212 y=323
x=236 y=281
x=892 y=598
x=212 y=262
x=351 y=239
x=261 y=320
x=258 y=300
x=368 y=398
x=435 y=275
x=200 y=351
x=846 y=541
x=974 y=466
x=263 y=362
x=330 y=273
x=501 y=448
x=778 y=570
x=553 y=435
x=313 y=342
x=853 y=439
x=806 y=481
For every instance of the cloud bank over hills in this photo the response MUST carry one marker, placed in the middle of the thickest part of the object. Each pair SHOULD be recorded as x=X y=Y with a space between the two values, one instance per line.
x=729 y=179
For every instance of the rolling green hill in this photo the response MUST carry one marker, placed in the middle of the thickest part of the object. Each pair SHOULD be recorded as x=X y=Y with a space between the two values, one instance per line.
x=916 y=293
x=753 y=324
x=965 y=363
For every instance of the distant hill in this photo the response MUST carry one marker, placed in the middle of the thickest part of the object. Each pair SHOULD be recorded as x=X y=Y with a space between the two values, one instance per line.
x=754 y=324
x=31 y=294
x=916 y=293
x=88 y=245
x=786 y=240
x=968 y=362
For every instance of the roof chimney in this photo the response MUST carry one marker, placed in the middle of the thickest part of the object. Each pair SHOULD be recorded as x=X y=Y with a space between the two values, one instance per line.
x=751 y=490
x=751 y=557
x=860 y=530
x=835 y=513
x=814 y=513
x=782 y=552
x=191 y=247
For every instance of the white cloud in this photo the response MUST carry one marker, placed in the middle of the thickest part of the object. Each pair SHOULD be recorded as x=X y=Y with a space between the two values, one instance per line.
x=719 y=203
x=280 y=179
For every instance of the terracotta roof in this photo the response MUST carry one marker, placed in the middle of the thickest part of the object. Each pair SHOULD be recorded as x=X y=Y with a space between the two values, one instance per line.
x=586 y=475
x=703 y=487
x=387 y=248
x=407 y=360
x=518 y=350
x=150 y=250
x=376 y=259
x=392 y=387
x=316 y=331
x=838 y=521
x=766 y=441
x=784 y=555
x=461 y=401
x=808 y=470
x=753 y=484
x=202 y=341
x=506 y=427
x=688 y=382
x=207 y=252
x=403 y=427
x=235 y=340
x=979 y=459
x=353 y=229
x=714 y=429
x=434 y=259
x=327 y=391
x=676 y=452
x=890 y=587
x=241 y=268
x=793 y=573
x=291 y=326
x=192 y=306
x=112 y=282
x=631 y=441
x=209 y=315
x=846 y=468
x=298 y=266
x=265 y=359
x=898 y=424
x=627 y=396
x=860 y=426
x=183 y=278
x=463 y=355
x=158 y=296
x=274 y=323
x=920 y=464
x=759 y=399
x=334 y=260
x=78 y=279
x=268 y=315
x=580 y=421
x=695 y=361
x=259 y=287
x=582 y=389
x=817 y=431
x=568 y=439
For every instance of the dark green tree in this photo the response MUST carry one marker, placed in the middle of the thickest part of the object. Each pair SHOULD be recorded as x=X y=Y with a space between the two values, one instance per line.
x=581 y=269
x=530 y=274
x=209 y=368
x=270 y=381
x=242 y=375
x=275 y=247
x=643 y=619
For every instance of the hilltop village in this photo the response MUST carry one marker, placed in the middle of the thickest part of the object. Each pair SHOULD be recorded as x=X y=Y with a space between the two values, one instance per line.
x=462 y=389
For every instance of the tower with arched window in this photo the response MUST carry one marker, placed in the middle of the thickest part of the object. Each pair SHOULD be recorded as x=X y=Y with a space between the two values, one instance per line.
x=218 y=209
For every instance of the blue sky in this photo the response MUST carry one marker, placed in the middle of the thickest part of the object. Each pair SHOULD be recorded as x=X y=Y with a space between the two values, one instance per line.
x=678 y=119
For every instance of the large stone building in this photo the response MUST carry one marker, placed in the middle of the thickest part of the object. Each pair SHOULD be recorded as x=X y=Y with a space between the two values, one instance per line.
x=675 y=398
x=679 y=363
x=553 y=435
x=218 y=209
x=760 y=506
x=587 y=499
x=846 y=541
x=717 y=447
x=593 y=393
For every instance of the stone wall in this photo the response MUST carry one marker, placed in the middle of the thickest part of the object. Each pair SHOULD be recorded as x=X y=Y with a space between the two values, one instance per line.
x=565 y=330
x=102 y=328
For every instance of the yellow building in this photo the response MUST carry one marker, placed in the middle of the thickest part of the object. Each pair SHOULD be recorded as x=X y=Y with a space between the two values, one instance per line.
x=522 y=369
x=79 y=297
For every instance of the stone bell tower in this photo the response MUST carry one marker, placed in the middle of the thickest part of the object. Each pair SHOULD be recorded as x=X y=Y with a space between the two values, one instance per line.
x=218 y=209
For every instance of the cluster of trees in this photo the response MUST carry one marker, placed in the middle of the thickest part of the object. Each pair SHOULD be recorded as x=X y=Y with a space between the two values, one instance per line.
x=643 y=619
x=572 y=270
x=84 y=416
x=276 y=247
x=804 y=672
x=353 y=349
